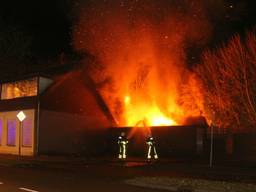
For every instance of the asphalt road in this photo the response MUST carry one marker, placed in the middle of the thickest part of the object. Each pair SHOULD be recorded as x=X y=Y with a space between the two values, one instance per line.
x=68 y=177
x=62 y=178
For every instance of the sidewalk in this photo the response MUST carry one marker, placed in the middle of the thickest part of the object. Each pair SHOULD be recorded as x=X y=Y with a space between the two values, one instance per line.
x=163 y=164
x=14 y=160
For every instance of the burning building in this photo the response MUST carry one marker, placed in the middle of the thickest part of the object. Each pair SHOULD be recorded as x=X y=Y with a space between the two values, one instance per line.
x=65 y=114
x=140 y=66
x=135 y=78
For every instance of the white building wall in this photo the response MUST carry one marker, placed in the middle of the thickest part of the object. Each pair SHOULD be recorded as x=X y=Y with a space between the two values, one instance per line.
x=28 y=134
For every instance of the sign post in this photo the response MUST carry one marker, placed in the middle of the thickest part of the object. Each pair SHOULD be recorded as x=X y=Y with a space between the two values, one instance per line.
x=21 y=116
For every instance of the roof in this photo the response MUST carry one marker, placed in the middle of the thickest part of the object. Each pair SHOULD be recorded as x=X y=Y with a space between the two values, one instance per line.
x=75 y=93
x=46 y=72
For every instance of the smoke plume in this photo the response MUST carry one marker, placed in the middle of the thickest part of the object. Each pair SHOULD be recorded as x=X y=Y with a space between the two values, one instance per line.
x=140 y=47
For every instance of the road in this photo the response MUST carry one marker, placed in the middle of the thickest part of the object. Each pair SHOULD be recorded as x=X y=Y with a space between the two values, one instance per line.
x=68 y=177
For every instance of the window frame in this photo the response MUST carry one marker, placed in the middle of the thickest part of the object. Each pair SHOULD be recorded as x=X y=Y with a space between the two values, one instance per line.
x=7 y=132
x=4 y=95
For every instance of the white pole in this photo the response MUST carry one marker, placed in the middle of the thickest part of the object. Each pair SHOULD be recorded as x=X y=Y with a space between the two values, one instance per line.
x=21 y=116
x=211 y=150
x=20 y=132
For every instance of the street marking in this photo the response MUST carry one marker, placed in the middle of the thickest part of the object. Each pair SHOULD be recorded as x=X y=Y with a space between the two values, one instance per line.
x=26 y=189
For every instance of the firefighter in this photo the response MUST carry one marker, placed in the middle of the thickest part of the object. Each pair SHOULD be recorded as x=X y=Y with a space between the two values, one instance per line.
x=151 y=148
x=122 y=143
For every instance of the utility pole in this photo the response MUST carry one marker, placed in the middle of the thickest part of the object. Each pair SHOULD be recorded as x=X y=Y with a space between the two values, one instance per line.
x=211 y=150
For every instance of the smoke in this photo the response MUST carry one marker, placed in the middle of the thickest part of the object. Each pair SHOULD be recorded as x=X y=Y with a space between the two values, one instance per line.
x=140 y=46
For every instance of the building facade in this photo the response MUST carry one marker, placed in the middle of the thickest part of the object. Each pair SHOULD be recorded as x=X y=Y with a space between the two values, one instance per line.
x=18 y=137
x=62 y=116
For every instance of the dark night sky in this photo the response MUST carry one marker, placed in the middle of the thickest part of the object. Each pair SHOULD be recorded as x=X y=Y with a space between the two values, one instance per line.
x=49 y=21
x=45 y=20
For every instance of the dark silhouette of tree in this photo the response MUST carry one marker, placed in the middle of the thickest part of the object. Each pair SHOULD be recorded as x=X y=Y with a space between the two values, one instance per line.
x=191 y=97
x=228 y=79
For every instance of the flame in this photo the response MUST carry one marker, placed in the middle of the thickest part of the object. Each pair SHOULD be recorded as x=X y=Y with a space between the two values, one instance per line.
x=127 y=100
x=142 y=58
x=142 y=115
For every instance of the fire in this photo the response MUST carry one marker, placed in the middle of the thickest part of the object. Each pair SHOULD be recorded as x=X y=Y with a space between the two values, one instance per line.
x=127 y=100
x=161 y=120
x=142 y=115
x=140 y=56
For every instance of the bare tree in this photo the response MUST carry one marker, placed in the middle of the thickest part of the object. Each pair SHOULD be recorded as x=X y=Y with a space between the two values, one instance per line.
x=228 y=77
x=191 y=98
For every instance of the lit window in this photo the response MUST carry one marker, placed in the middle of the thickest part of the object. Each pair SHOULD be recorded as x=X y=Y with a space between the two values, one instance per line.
x=27 y=129
x=25 y=88
x=11 y=132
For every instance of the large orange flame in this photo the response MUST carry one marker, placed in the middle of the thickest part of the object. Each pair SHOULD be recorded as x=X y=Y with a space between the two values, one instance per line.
x=149 y=114
x=141 y=50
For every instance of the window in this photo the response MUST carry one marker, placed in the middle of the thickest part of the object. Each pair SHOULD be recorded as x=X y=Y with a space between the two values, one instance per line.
x=11 y=132
x=25 y=88
x=27 y=128
x=1 y=131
